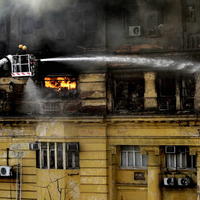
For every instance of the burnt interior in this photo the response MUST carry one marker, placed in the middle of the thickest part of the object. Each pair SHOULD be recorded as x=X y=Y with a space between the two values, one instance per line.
x=101 y=27
x=175 y=92
x=128 y=92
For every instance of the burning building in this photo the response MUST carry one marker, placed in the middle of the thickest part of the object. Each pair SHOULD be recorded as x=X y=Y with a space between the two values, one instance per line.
x=120 y=125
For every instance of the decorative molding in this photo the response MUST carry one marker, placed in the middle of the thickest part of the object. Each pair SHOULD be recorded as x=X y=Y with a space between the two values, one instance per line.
x=150 y=150
x=194 y=150
x=113 y=150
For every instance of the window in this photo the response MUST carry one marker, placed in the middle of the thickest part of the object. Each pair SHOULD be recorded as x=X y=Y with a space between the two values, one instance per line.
x=187 y=92
x=132 y=158
x=179 y=158
x=148 y=22
x=128 y=92
x=55 y=155
x=166 y=90
x=63 y=86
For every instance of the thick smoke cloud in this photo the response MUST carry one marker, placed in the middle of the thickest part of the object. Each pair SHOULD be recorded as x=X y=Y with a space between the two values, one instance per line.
x=39 y=7
x=51 y=26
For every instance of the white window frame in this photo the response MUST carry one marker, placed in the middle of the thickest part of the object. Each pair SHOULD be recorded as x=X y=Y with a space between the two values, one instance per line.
x=179 y=160
x=133 y=150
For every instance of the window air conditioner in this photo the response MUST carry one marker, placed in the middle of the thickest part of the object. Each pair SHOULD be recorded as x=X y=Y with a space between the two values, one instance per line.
x=74 y=146
x=134 y=31
x=170 y=149
x=5 y=171
x=184 y=181
x=34 y=146
x=169 y=181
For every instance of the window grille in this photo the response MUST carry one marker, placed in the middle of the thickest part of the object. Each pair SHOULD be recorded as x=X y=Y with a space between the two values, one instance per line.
x=55 y=155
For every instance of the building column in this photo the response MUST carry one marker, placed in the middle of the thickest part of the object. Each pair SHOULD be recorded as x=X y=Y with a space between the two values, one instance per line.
x=150 y=95
x=178 y=98
x=196 y=151
x=198 y=175
x=197 y=93
x=112 y=163
x=154 y=192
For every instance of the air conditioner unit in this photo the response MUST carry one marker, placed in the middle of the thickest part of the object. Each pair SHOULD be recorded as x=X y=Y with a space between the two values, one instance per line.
x=5 y=171
x=34 y=146
x=170 y=181
x=134 y=31
x=187 y=181
x=170 y=149
x=74 y=146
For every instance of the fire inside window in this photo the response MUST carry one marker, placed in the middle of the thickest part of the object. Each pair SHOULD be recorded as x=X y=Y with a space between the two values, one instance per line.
x=61 y=82
x=63 y=86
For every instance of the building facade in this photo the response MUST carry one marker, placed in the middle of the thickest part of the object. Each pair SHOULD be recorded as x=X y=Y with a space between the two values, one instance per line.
x=106 y=130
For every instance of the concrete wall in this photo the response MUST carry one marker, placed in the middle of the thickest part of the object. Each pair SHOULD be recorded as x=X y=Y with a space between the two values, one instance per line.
x=100 y=175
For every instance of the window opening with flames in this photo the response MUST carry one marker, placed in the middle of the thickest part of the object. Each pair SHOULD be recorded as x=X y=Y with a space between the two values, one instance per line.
x=63 y=85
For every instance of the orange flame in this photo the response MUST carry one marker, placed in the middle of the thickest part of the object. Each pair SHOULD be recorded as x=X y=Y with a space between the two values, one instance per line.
x=60 y=82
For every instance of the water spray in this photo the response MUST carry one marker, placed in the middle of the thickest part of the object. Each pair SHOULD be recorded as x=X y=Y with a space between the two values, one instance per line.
x=153 y=63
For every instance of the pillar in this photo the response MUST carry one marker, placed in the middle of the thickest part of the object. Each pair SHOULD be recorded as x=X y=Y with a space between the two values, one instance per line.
x=178 y=99
x=198 y=175
x=197 y=93
x=150 y=95
x=112 y=163
x=154 y=192
x=196 y=151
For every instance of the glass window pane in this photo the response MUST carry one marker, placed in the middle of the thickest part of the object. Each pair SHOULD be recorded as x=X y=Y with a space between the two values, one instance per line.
x=44 y=158
x=77 y=160
x=59 y=155
x=38 y=159
x=138 y=159
x=52 y=155
x=193 y=161
x=69 y=159
x=66 y=156
x=184 y=160
x=73 y=164
x=189 y=161
x=179 y=161
x=130 y=159
x=144 y=160
x=171 y=160
x=123 y=159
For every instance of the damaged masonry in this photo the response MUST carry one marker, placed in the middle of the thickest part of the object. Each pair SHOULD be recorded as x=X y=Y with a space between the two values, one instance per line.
x=99 y=100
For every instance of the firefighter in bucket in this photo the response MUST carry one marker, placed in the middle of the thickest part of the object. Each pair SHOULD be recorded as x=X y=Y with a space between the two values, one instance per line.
x=22 y=64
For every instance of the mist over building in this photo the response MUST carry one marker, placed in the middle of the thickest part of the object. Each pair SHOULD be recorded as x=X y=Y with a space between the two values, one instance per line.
x=99 y=100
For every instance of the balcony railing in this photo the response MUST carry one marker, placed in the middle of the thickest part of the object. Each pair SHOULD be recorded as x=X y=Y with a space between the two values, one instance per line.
x=135 y=104
x=165 y=104
x=192 y=41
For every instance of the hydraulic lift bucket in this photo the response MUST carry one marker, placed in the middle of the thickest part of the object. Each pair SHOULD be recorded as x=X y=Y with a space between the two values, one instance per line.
x=22 y=65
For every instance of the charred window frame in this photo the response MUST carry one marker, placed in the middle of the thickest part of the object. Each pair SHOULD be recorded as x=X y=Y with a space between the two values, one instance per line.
x=187 y=92
x=178 y=158
x=55 y=155
x=166 y=91
x=131 y=158
x=127 y=92
x=190 y=10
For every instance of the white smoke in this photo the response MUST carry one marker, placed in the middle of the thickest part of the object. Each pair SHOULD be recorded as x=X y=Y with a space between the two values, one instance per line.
x=42 y=6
